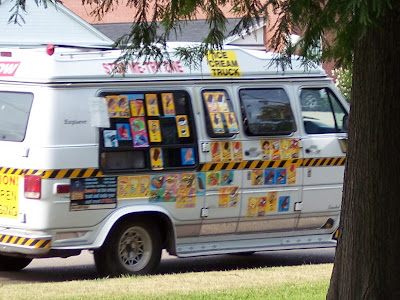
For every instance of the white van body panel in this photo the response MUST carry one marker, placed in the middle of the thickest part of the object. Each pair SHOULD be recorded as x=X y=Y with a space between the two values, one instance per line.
x=228 y=204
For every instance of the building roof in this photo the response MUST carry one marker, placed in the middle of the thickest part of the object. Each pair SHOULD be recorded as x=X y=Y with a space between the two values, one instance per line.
x=52 y=25
x=193 y=31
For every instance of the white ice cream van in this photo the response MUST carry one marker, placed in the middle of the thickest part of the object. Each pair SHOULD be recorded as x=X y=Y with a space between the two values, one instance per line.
x=126 y=160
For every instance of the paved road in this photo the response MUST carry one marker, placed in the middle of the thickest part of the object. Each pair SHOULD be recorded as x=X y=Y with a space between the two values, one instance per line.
x=82 y=266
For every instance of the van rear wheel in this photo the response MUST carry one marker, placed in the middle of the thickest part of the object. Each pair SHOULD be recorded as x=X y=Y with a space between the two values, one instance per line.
x=132 y=248
x=11 y=263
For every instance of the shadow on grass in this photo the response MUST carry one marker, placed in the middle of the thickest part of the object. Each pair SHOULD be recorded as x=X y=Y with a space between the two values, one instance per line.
x=84 y=269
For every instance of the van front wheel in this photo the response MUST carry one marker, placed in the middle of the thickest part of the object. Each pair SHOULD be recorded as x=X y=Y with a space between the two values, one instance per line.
x=133 y=248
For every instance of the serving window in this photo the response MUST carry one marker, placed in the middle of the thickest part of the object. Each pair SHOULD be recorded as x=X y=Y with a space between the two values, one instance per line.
x=148 y=131
x=220 y=117
x=266 y=111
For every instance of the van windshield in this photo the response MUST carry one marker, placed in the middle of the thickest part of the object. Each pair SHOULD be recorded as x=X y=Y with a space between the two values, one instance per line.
x=14 y=114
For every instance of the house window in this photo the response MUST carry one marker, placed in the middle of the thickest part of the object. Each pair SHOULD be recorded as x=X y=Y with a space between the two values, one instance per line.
x=149 y=131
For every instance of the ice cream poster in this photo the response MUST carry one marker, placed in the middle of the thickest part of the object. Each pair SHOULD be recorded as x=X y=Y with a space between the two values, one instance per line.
x=185 y=201
x=171 y=184
x=231 y=122
x=295 y=148
x=291 y=174
x=226 y=151
x=123 y=132
x=123 y=106
x=257 y=177
x=217 y=124
x=188 y=181
x=168 y=104
x=280 y=176
x=152 y=105
x=227 y=177
x=269 y=176
x=284 y=203
x=112 y=105
x=154 y=131
x=136 y=104
x=123 y=187
x=156 y=182
x=110 y=138
x=139 y=132
x=187 y=156
x=216 y=154
x=157 y=188
x=144 y=186
x=262 y=206
x=252 y=206
x=201 y=183
x=286 y=151
x=213 y=178
x=186 y=197
x=266 y=150
x=237 y=151
x=157 y=158
x=182 y=125
x=228 y=197
x=272 y=201
x=276 y=150
x=221 y=102
x=133 y=186
x=211 y=102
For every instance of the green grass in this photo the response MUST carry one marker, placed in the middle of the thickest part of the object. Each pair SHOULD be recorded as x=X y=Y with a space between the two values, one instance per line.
x=298 y=282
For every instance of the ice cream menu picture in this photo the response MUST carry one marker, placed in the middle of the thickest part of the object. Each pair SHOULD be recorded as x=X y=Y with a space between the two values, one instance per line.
x=155 y=123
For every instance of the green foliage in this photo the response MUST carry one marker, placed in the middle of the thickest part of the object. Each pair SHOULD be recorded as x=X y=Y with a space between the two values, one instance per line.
x=344 y=81
x=334 y=24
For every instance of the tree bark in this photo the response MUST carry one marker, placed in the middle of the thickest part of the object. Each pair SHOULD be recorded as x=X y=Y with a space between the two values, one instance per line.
x=367 y=261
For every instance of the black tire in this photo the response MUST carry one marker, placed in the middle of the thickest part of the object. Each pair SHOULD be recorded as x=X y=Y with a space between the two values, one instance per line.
x=11 y=263
x=132 y=248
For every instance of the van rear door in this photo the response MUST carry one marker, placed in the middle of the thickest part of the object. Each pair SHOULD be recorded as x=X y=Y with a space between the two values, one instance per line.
x=14 y=114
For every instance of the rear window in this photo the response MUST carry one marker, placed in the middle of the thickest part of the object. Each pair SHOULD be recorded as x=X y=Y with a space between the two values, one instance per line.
x=14 y=114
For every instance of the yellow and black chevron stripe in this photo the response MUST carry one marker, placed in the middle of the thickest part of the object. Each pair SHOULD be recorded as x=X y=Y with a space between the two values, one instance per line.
x=72 y=173
x=12 y=171
x=25 y=242
x=264 y=164
x=63 y=173
x=214 y=166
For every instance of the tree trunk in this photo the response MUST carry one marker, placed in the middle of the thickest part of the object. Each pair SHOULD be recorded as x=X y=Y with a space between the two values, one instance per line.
x=367 y=262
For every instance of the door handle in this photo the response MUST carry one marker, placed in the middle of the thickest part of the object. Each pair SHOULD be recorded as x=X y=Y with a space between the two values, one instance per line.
x=313 y=150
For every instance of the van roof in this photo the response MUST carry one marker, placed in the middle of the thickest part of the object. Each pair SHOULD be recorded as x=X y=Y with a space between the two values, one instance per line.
x=76 y=63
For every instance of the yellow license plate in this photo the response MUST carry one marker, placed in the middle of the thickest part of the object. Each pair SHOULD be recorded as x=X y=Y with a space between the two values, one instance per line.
x=9 y=196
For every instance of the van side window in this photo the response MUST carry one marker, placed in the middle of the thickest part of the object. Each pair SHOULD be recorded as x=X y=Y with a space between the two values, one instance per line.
x=149 y=131
x=220 y=117
x=322 y=111
x=266 y=111
x=14 y=114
